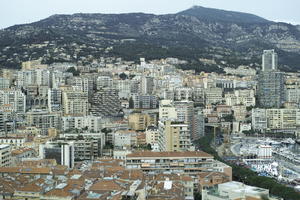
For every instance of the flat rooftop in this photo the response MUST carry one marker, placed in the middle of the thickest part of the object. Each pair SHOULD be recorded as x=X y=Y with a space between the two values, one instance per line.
x=187 y=154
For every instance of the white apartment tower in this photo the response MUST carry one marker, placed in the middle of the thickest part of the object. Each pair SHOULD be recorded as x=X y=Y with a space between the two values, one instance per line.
x=14 y=97
x=269 y=60
x=147 y=85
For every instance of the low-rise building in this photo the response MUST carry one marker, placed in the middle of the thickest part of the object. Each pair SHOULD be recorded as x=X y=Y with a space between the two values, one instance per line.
x=259 y=119
x=43 y=119
x=152 y=135
x=19 y=154
x=213 y=95
x=144 y=101
x=5 y=155
x=188 y=163
x=14 y=142
x=276 y=119
x=209 y=179
x=124 y=139
x=139 y=121
x=235 y=190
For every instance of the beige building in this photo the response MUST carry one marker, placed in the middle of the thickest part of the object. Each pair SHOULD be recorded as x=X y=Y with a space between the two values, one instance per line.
x=213 y=95
x=33 y=64
x=283 y=118
x=43 y=119
x=75 y=103
x=152 y=135
x=167 y=110
x=239 y=112
x=241 y=97
x=223 y=110
x=174 y=136
x=140 y=121
x=185 y=163
x=275 y=119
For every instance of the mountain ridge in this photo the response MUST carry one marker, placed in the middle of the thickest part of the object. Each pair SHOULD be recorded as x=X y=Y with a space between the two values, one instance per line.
x=76 y=37
x=223 y=15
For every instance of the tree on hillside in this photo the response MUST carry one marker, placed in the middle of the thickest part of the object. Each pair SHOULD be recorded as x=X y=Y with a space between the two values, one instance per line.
x=73 y=71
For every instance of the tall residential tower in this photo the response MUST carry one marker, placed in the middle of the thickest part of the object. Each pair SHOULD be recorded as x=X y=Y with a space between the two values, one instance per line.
x=269 y=60
x=270 y=82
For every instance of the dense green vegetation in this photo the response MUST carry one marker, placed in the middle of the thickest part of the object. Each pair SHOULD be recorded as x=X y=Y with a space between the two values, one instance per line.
x=247 y=176
x=73 y=71
x=253 y=133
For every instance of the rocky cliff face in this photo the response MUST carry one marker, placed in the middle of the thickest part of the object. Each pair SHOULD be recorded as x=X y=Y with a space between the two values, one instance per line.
x=230 y=37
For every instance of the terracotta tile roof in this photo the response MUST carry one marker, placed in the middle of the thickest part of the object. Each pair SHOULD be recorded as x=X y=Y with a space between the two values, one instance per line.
x=37 y=163
x=92 y=174
x=210 y=174
x=106 y=185
x=94 y=195
x=115 y=168
x=66 y=191
x=31 y=187
x=132 y=175
x=170 y=154
x=25 y=170
x=173 y=177
x=158 y=191
x=58 y=193
x=7 y=186
x=20 y=151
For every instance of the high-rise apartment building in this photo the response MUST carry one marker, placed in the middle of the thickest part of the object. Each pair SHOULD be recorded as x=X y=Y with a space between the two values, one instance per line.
x=275 y=119
x=270 y=82
x=104 y=82
x=4 y=83
x=43 y=119
x=92 y=123
x=198 y=124
x=16 y=98
x=147 y=85
x=63 y=153
x=87 y=145
x=33 y=77
x=144 y=101
x=271 y=91
x=54 y=100
x=2 y=122
x=184 y=112
x=174 y=136
x=167 y=110
x=75 y=103
x=106 y=103
x=269 y=60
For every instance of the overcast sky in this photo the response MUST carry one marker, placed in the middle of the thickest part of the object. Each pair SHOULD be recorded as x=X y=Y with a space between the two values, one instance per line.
x=25 y=11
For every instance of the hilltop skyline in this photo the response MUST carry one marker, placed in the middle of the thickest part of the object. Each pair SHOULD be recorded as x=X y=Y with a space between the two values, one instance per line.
x=15 y=12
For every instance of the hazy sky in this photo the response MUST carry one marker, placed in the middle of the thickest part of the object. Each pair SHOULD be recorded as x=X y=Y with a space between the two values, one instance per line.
x=25 y=11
